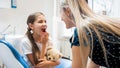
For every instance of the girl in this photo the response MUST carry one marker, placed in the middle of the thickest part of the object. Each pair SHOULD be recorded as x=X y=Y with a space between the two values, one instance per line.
x=37 y=41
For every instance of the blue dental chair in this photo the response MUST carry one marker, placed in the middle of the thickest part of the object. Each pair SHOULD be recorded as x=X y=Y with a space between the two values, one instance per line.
x=64 y=63
x=12 y=59
x=10 y=56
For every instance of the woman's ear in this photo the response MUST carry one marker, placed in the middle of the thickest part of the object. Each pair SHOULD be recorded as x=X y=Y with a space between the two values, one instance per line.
x=68 y=11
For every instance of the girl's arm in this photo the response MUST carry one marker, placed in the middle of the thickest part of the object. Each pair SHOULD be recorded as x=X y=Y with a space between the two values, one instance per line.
x=45 y=63
x=51 y=63
x=30 y=58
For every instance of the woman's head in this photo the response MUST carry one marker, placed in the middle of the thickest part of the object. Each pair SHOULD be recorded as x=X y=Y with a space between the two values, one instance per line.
x=67 y=16
x=36 y=23
x=71 y=10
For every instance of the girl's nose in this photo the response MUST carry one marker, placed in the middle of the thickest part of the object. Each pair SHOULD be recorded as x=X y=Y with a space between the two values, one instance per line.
x=44 y=26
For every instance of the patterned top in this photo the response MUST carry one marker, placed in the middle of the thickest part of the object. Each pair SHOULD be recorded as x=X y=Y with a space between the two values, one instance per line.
x=112 y=45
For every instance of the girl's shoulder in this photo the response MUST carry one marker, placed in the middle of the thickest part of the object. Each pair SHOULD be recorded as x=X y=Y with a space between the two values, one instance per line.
x=25 y=40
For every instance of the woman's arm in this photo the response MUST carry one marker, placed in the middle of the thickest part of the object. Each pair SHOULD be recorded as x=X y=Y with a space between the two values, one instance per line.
x=76 y=58
x=91 y=64
x=79 y=60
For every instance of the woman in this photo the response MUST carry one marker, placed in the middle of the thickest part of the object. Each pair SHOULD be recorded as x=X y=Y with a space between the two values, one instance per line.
x=95 y=36
x=37 y=41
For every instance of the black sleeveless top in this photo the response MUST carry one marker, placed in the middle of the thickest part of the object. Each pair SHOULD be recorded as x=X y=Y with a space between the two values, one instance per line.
x=112 y=45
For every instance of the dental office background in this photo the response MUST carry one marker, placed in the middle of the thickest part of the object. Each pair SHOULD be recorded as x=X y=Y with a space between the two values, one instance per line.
x=14 y=13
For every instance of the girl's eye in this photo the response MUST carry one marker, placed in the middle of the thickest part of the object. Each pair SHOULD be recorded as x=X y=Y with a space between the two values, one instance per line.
x=41 y=21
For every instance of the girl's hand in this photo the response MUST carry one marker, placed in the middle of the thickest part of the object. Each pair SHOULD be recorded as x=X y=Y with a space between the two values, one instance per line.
x=44 y=38
x=44 y=34
x=43 y=63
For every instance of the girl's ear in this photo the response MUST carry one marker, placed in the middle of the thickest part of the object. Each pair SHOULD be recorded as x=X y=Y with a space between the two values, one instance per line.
x=30 y=26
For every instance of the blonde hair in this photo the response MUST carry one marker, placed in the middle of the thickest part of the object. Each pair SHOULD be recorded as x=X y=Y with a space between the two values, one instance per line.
x=87 y=20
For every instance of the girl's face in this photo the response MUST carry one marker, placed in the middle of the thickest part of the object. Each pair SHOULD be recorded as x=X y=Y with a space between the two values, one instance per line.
x=65 y=16
x=39 y=26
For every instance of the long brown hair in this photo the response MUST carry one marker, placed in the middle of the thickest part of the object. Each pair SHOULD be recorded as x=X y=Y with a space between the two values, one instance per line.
x=86 y=19
x=35 y=49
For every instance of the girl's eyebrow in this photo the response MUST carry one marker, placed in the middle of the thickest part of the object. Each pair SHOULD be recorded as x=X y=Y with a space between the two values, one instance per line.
x=41 y=20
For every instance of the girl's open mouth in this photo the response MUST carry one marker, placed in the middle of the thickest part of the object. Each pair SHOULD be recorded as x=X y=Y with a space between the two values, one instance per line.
x=43 y=29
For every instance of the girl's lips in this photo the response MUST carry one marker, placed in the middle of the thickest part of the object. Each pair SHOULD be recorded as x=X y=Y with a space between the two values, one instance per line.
x=43 y=29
